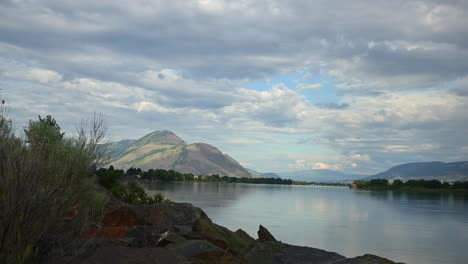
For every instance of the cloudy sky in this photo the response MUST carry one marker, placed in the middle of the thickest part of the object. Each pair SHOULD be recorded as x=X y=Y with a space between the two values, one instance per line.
x=279 y=85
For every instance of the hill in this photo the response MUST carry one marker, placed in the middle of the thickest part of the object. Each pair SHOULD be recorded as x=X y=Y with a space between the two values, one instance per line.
x=453 y=171
x=165 y=150
x=320 y=176
x=263 y=175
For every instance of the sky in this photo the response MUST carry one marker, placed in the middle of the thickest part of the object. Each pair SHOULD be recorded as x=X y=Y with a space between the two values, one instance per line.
x=357 y=86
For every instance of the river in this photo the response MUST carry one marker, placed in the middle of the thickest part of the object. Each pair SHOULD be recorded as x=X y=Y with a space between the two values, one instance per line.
x=407 y=227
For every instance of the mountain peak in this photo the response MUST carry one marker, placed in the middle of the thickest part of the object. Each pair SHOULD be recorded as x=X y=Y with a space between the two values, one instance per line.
x=161 y=137
x=165 y=150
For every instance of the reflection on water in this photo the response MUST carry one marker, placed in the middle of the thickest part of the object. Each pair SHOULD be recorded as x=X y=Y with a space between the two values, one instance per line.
x=407 y=227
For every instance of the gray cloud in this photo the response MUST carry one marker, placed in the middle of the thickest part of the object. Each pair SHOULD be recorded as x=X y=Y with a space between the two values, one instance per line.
x=181 y=65
x=333 y=105
x=413 y=39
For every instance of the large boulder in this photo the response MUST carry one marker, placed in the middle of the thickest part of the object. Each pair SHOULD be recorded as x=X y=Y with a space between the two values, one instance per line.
x=366 y=259
x=145 y=222
x=274 y=252
x=264 y=235
x=201 y=251
x=169 y=238
x=235 y=242
x=124 y=255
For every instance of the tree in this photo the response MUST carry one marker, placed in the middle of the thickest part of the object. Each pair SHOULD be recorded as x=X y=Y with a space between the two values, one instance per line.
x=5 y=122
x=397 y=183
x=44 y=132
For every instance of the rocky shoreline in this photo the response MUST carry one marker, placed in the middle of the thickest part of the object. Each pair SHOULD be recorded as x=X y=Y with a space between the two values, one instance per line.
x=182 y=233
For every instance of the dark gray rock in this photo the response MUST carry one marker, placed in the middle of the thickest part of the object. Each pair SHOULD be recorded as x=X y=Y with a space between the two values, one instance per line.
x=192 y=248
x=274 y=252
x=168 y=214
x=264 y=235
x=143 y=236
x=366 y=259
x=132 y=255
x=169 y=238
x=202 y=251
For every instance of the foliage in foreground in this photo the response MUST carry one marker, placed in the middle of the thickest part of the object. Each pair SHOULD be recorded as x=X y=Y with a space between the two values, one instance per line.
x=47 y=189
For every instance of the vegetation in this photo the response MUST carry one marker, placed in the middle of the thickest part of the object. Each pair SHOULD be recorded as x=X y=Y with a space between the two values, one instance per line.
x=109 y=176
x=410 y=185
x=171 y=175
x=131 y=192
x=47 y=189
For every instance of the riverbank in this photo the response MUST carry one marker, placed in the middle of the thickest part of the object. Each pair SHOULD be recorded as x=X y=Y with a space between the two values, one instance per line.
x=182 y=233
x=430 y=186
x=414 y=190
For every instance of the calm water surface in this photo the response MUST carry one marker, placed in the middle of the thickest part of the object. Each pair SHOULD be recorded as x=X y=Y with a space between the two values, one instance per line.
x=408 y=227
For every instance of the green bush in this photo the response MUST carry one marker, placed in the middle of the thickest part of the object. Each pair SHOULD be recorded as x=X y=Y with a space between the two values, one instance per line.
x=47 y=190
x=133 y=193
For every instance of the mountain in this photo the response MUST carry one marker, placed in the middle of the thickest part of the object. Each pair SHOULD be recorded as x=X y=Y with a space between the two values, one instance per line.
x=427 y=170
x=165 y=150
x=320 y=176
x=263 y=175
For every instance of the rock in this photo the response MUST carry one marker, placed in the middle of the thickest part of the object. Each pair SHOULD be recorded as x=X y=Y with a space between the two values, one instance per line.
x=201 y=251
x=191 y=248
x=236 y=243
x=119 y=220
x=179 y=232
x=244 y=236
x=169 y=238
x=168 y=214
x=121 y=255
x=274 y=252
x=115 y=224
x=144 y=236
x=264 y=235
x=366 y=259
x=216 y=258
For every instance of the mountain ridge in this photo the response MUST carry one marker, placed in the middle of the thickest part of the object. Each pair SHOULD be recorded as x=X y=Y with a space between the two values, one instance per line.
x=320 y=175
x=163 y=149
x=258 y=174
x=426 y=170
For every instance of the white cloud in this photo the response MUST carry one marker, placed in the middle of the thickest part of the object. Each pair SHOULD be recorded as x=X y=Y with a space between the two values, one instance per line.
x=149 y=106
x=276 y=107
x=312 y=165
x=35 y=75
x=360 y=157
x=303 y=86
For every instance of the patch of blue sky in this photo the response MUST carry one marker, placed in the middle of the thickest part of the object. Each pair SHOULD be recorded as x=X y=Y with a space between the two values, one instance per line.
x=325 y=90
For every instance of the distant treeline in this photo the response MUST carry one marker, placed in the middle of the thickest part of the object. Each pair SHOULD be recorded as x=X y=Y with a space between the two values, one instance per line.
x=410 y=185
x=111 y=175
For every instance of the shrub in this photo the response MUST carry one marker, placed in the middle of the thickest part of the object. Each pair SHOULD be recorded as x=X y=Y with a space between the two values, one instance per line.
x=47 y=190
x=133 y=193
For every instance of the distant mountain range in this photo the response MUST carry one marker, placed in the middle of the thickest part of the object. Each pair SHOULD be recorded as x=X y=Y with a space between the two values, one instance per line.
x=320 y=176
x=263 y=175
x=426 y=170
x=165 y=150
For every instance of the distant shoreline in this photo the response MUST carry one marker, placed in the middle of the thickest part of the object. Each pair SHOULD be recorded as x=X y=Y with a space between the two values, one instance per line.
x=297 y=183
x=427 y=186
